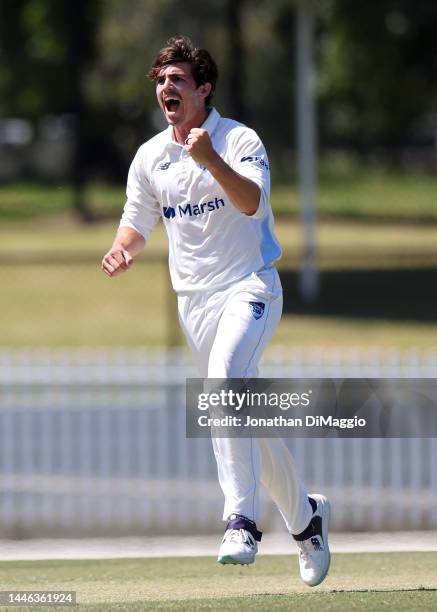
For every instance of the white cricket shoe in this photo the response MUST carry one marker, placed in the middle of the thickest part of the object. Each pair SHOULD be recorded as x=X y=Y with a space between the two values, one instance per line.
x=239 y=544
x=314 y=555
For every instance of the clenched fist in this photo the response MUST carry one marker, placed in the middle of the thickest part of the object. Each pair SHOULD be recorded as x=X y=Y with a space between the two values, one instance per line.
x=116 y=260
x=198 y=144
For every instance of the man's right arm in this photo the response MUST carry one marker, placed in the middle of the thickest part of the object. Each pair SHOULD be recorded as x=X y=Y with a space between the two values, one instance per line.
x=127 y=244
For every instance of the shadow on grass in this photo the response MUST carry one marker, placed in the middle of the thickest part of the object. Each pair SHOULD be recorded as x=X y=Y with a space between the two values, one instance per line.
x=317 y=600
x=400 y=590
x=395 y=294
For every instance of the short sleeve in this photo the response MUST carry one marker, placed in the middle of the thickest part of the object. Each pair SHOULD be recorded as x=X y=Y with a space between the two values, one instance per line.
x=250 y=160
x=142 y=210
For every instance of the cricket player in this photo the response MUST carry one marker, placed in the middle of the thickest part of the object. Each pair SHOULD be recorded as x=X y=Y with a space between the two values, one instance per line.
x=208 y=178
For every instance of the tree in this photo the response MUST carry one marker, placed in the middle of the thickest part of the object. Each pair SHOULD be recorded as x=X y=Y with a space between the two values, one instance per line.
x=46 y=47
x=378 y=62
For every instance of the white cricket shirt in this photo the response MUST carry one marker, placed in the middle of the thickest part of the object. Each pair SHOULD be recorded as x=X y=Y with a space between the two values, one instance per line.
x=211 y=243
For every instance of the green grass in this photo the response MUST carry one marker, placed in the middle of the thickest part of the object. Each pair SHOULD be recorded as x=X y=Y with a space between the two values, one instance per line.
x=360 y=193
x=369 y=194
x=24 y=201
x=76 y=305
x=54 y=293
x=341 y=244
x=390 y=581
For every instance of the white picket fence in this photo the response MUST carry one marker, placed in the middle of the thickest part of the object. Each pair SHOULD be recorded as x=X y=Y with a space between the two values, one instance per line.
x=93 y=442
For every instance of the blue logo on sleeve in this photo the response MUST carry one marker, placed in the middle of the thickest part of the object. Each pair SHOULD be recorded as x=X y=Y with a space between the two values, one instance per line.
x=257 y=309
x=255 y=158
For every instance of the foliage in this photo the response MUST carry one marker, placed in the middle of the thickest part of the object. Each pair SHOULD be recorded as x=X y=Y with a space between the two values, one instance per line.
x=378 y=62
x=376 y=69
x=36 y=47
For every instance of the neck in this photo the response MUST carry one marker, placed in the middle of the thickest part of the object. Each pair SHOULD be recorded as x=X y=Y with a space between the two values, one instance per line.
x=180 y=132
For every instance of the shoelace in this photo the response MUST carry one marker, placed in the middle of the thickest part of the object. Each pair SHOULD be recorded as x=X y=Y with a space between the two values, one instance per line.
x=241 y=535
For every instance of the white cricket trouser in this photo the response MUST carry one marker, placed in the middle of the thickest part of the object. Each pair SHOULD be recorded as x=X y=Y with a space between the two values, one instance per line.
x=227 y=341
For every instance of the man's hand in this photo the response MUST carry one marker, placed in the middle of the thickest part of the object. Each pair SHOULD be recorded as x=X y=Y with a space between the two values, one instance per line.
x=116 y=260
x=127 y=244
x=198 y=144
x=244 y=193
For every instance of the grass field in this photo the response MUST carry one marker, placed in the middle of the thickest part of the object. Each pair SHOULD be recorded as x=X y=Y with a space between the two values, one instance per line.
x=376 y=270
x=361 y=192
x=369 y=581
x=54 y=293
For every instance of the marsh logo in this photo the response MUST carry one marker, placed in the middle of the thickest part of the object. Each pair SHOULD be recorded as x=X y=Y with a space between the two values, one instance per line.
x=169 y=212
x=193 y=210
x=255 y=158
x=257 y=309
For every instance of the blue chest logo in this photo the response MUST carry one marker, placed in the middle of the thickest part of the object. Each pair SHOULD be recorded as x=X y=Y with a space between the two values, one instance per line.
x=193 y=210
x=257 y=309
x=169 y=212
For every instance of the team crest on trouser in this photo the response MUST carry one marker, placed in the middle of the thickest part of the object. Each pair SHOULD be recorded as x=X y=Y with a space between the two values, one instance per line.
x=257 y=309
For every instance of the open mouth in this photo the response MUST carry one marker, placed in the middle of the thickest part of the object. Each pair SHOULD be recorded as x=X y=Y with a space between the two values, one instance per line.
x=172 y=104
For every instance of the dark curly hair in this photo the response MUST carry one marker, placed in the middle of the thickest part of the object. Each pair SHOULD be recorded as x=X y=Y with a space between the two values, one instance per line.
x=181 y=49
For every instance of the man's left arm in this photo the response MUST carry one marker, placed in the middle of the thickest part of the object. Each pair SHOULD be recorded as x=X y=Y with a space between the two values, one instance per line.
x=243 y=192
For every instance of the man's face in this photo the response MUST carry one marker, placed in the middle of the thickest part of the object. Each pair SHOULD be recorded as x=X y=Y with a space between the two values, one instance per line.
x=181 y=100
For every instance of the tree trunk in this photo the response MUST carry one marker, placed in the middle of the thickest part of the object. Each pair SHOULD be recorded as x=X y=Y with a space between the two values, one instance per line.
x=75 y=67
x=237 y=80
